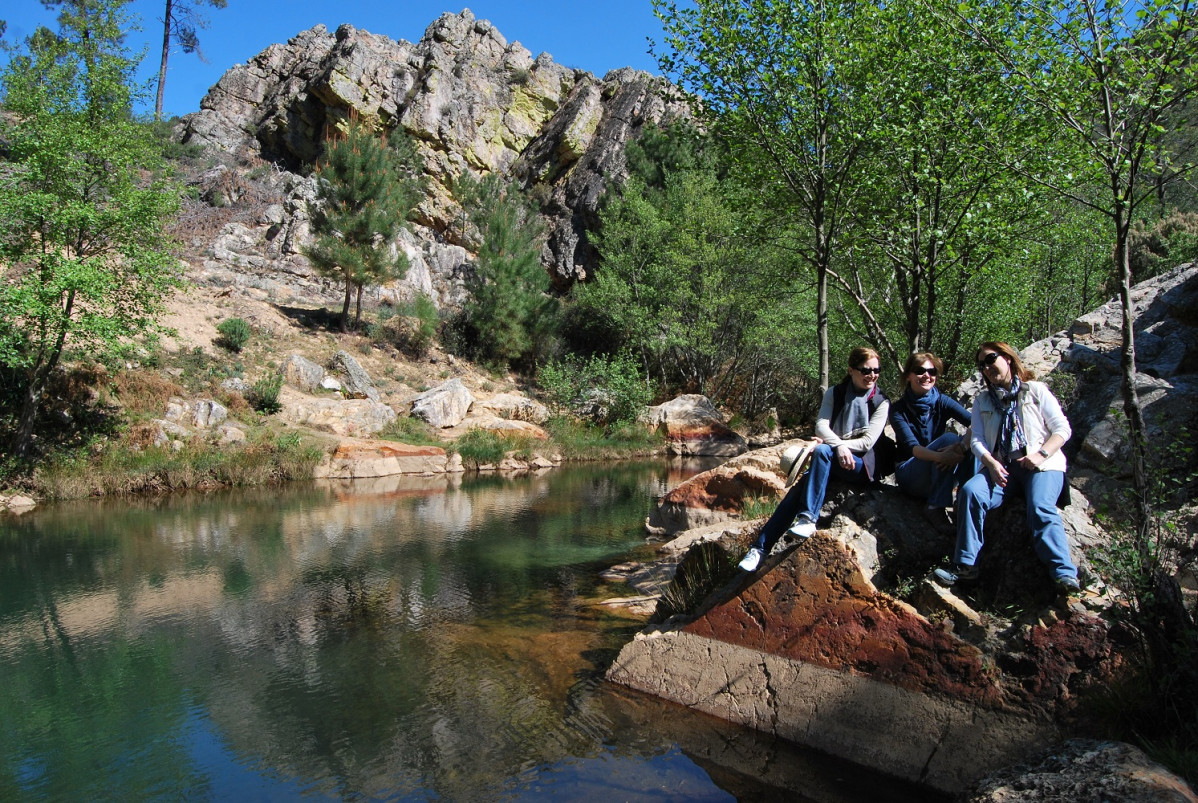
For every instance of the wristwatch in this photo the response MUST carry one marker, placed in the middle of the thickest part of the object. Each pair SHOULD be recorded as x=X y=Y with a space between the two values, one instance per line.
x=1042 y=452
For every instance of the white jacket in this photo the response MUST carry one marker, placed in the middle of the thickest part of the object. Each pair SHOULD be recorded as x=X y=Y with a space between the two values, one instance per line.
x=1040 y=414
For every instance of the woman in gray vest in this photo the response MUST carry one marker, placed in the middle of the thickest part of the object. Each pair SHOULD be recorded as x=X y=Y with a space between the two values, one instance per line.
x=851 y=419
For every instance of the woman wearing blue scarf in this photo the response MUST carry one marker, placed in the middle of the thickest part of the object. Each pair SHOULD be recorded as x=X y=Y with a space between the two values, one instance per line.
x=930 y=460
x=1017 y=434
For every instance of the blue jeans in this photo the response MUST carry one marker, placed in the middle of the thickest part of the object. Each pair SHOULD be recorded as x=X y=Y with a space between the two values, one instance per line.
x=981 y=494
x=927 y=480
x=806 y=498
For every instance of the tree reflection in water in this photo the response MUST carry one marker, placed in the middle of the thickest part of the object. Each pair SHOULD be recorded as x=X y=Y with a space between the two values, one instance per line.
x=404 y=638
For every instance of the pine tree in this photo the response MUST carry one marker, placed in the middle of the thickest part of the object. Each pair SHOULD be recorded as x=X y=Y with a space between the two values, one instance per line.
x=368 y=188
x=509 y=311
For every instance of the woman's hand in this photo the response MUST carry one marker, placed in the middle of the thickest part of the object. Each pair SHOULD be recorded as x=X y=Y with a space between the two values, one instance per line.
x=844 y=456
x=998 y=472
x=949 y=456
x=1032 y=461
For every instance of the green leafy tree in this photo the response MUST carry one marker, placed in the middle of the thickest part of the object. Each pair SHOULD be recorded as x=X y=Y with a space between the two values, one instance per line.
x=181 y=23
x=936 y=213
x=509 y=313
x=787 y=84
x=84 y=261
x=368 y=190
x=1110 y=75
x=685 y=276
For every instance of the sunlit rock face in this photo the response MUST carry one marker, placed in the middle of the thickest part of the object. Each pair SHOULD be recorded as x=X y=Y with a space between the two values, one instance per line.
x=472 y=101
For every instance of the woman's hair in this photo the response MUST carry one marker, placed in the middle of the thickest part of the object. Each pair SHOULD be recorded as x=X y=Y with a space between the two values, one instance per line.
x=1018 y=369
x=918 y=358
x=861 y=355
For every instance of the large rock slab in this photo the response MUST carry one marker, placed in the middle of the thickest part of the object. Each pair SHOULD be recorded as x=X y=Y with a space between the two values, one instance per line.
x=354 y=459
x=693 y=426
x=516 y=407
x=352 y=417
x=929 y=739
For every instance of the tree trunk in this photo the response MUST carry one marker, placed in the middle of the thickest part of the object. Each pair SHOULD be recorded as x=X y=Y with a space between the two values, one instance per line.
x=1136 y=431
x=166 y=49
x=23 y=439
x=349 y=286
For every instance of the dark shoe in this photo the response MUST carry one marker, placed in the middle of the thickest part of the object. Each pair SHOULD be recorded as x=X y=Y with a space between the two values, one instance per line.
x=1067 y=586
x=959 y=573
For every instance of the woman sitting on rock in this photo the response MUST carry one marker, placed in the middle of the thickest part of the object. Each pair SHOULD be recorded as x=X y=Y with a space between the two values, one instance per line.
x=851 y=419
x=930 y=460
x=1017 y=434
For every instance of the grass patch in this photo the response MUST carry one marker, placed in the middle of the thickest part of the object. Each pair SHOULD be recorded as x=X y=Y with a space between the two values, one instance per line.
x=577 y=440
x=264 y=460
x=145 y=392
x=412 y=431
x=754 y=507
x=482 y=447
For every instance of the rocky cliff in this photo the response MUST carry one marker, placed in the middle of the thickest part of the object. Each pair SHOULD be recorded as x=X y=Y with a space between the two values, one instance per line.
x=471 y=100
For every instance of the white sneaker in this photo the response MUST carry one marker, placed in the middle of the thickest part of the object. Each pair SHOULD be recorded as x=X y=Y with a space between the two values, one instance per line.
x=749 y=562
x=803 y=528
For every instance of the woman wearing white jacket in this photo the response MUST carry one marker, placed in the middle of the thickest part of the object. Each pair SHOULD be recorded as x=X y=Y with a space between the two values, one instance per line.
x=1018 y=430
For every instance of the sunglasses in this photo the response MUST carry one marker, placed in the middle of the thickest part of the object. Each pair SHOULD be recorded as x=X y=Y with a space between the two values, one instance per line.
x=868 y=371
x=988 y=360
x=920 y=371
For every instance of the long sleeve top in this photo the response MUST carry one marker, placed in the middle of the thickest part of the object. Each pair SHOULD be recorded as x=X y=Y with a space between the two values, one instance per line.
x=1040 y=414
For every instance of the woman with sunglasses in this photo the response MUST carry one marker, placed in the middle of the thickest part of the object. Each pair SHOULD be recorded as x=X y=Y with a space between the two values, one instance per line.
x=930 y=459
x=1018 y=431
x=851 y=419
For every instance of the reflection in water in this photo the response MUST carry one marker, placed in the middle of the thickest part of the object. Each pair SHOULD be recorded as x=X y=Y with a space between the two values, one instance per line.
x=401 y=638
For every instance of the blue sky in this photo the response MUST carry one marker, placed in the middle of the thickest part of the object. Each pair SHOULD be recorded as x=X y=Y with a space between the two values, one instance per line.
x=593 y=36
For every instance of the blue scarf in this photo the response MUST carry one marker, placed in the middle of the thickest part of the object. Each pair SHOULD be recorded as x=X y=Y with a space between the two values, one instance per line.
x=923 y=422
x=1011 y=442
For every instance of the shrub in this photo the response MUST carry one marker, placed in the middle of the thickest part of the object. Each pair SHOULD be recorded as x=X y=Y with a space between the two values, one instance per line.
x=234 y=334
x=264 y=395
x=145 y=392
x=605 y=389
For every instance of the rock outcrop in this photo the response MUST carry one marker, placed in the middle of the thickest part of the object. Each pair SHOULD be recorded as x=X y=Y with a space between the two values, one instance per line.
x=471 y=100
x=1084 y=769
x=841 y=642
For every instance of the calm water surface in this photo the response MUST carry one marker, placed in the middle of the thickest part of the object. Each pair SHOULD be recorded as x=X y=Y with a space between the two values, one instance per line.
x=403 y=639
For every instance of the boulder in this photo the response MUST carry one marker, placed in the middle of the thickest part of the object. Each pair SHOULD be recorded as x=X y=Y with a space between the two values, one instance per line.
x=516 y=407
x=356 y=383
x=17 y=503
x=352 y=417
x=200 y=414
x=445 y=405
x=693 y=426
x=302 y=373
x=1083 y=769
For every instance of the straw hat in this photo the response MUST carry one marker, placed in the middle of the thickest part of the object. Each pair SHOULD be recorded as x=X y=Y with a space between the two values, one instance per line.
x=794 y=459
